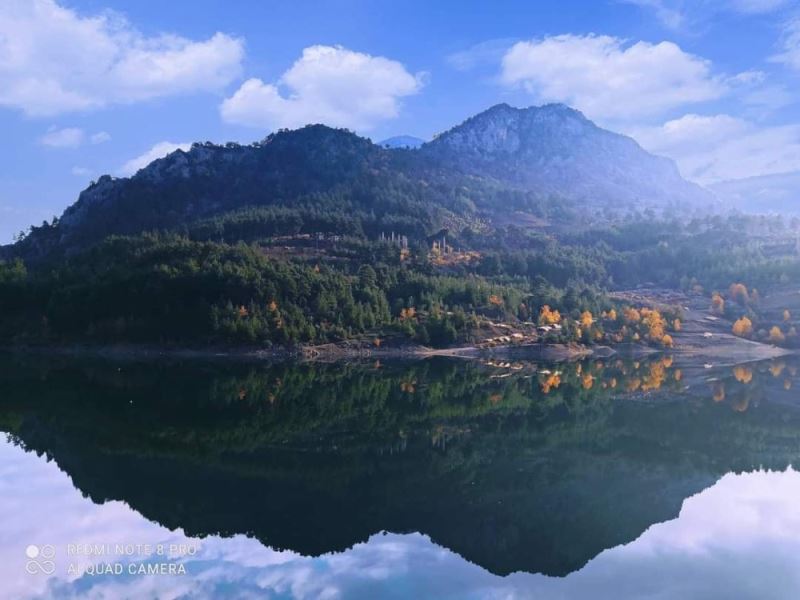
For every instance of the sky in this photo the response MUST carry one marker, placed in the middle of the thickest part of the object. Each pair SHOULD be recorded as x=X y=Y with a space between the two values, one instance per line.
x=89 y=87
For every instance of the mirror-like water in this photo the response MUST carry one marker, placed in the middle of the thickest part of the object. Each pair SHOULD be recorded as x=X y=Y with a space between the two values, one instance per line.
x=612 y=478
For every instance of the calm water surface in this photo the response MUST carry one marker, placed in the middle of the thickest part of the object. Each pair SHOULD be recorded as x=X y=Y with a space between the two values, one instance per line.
x=437 y=479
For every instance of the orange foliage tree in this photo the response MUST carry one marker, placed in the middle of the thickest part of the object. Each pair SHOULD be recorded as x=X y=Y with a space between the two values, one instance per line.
x=717 y=304
x=776 y=335
x=743 y=327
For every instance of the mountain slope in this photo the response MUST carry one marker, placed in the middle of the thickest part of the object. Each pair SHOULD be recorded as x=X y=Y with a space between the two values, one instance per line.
x=498 y=163
x=557 y=151
x=767 y=193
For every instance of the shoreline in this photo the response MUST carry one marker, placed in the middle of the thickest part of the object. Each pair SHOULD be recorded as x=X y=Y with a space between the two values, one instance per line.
x=737 y=352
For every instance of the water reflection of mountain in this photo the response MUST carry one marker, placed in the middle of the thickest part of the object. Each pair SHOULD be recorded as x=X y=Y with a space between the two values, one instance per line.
x=513 y=466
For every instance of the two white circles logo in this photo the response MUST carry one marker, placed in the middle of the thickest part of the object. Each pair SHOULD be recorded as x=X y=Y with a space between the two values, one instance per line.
x=40 y=559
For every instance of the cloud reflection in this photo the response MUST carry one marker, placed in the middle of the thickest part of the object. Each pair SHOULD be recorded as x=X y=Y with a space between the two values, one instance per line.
x=739 y=538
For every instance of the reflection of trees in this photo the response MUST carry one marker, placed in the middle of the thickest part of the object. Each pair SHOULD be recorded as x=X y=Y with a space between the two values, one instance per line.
x=747 y=385
x=317 y=457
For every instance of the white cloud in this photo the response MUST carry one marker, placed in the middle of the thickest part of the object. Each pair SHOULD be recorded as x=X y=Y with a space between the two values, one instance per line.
x=669 y=13
x=100 y=137
x=790 y=55
x=81 y=171
x=487 y=53
x=68 y=137
x=53 y=60
x=752 y=7
x=677 y=14
x=160 y=150
x=609 y=79
x=716 y=148
x=71 y=137
x=331 y=85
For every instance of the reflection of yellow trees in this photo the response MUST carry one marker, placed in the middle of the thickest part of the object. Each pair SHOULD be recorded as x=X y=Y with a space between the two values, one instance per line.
x=633 y=384
x=655 y=376
x=777 y=368
x=741 y=404
x=787 y=384
x=719 y=392
x=678 y=375
x=587 y=381
x=552 y=381
x=743 y=374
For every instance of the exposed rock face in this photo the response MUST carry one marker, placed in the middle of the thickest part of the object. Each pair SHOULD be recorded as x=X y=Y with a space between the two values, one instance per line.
x=557 y=151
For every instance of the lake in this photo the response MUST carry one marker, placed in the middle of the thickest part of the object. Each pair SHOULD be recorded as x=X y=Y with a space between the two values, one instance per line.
x=613 y=478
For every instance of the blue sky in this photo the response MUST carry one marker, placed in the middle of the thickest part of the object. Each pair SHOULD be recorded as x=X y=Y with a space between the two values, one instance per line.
x=89 y=87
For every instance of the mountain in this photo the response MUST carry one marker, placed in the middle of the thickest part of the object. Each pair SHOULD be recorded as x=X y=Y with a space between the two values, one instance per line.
x=557 y=151
x=317 y=179
x=402 y=141
x=767 y=193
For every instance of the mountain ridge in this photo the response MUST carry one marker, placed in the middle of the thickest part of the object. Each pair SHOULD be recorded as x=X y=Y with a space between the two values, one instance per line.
x=534 y=154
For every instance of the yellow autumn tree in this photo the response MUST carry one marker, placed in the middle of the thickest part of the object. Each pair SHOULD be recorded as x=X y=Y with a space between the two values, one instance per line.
x=743 y=327
x=586 y=319
x=655 y=323
x=776 y=335
x=717 y=304
x=631 y=315
x=548 y=316
x=738 y=293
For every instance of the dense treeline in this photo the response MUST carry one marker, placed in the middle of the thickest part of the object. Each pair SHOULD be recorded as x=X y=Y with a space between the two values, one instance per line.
x=206 y=286
x=171 y=289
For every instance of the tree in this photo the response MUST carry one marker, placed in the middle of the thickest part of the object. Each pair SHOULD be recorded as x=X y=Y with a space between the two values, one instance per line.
x=776 y=335
x=367 y=278
x=743 y=327
x=547 y=316
x=738 y=293
x=717 y=304
x=586 y=319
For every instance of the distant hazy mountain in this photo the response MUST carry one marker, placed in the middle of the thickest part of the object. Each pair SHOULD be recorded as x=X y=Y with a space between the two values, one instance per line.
x=402 y=141
x=500 y=162
x=768 y=193
x=555 y=150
